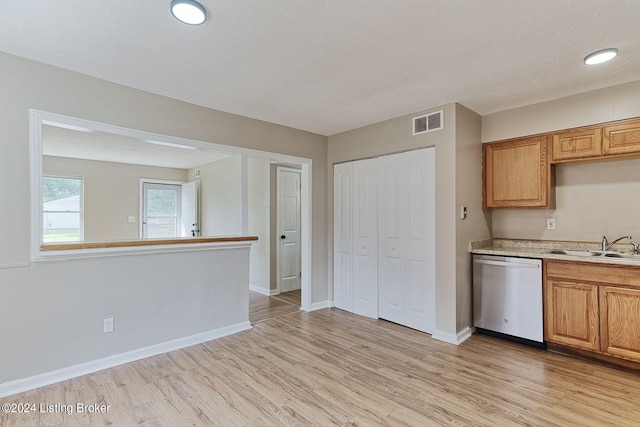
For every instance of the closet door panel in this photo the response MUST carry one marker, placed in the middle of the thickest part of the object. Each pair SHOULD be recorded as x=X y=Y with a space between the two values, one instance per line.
x=392 y=209
x=343 y=263
x=420 y=259
x=365 y=247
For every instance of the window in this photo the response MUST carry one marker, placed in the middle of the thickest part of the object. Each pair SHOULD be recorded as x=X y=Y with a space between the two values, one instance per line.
x=161 y=210
x=62 y=209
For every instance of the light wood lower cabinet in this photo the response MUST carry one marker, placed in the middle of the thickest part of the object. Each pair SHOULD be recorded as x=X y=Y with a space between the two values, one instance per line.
x=593 y=307
x=620 y=326
x=573 y=314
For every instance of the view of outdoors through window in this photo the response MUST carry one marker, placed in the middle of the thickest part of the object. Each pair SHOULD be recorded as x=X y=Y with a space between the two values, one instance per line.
x=162 y=210
x=61 y=209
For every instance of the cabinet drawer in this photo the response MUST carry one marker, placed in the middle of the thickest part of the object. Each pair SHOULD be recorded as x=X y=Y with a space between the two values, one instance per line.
x=592 y=272
x=623 y=138
x=577 y=144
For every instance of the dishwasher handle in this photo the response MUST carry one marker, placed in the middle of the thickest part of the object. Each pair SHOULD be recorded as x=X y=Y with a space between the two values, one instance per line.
x=506 y=264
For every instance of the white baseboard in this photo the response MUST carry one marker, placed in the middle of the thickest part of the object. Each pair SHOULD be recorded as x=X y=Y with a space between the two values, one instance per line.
x=319 y=305
x=456 y=339
x=18 y=386
x=263 y=291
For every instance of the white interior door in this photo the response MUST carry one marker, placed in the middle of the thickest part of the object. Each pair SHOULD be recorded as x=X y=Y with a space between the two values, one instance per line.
x=289 y=267
x=190 y=217
x=365 y=235
x=343 y=236
x=407 y=239
x=392 y=196
x=420 y=262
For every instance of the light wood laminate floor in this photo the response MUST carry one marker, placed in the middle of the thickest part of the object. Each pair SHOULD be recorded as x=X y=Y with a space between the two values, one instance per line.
x=263 y=307
x=330 y=367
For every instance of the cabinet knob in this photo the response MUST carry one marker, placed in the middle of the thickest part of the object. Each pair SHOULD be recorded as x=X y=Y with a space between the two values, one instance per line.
x=282 y=237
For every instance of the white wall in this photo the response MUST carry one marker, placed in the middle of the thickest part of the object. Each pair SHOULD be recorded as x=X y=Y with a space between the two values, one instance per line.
x=56 y=308
x=592 y=198
x=111 y=193
x=259 y=189
x=220 y=208
x=457 y=181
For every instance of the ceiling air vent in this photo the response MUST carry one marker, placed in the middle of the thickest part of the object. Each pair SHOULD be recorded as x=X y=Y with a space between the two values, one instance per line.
x=428 y=123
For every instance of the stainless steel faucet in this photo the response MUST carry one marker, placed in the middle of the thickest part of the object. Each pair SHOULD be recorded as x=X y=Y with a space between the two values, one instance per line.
x=606 y=245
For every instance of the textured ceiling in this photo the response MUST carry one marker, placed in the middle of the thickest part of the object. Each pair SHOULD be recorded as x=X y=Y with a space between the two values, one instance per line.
x=327 y=66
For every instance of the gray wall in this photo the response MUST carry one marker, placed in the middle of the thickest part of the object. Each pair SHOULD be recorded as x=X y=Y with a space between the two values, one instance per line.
x=55 y=306
x=591 y=199
x=477 y=226
x=458 y=168
x=27 y=84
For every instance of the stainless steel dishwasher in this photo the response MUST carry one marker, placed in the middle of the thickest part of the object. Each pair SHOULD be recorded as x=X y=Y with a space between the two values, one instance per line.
x=507 y=298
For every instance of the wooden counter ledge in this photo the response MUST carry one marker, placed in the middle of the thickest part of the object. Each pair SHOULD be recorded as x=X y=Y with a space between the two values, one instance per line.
x=145 y=242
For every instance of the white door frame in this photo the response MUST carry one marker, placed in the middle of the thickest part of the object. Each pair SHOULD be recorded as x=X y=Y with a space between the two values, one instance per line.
x=279 y=225
x=142 y=181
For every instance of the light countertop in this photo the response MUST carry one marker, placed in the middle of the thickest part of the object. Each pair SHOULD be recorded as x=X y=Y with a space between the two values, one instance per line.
x=541 y=248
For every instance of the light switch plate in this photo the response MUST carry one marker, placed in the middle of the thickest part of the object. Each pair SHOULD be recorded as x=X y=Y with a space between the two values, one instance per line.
x=131 y=218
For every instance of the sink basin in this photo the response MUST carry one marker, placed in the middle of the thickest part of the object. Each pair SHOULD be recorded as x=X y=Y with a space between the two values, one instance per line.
x=617 y=255
x=594 y=253
x=574 y=253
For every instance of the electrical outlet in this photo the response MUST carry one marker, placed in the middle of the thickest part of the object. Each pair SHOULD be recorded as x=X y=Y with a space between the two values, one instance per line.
x=551 y=223
x=131 y=218
x=107 y=325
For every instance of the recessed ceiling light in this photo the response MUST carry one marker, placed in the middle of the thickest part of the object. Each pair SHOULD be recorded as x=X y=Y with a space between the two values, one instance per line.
x=601 y=56
x=188 y=11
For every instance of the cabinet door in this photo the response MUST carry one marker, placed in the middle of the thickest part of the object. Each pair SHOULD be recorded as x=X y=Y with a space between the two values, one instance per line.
x=517 y=174
x=577 y=144
x=620 y=321
x=622 y=138
x=572 y=314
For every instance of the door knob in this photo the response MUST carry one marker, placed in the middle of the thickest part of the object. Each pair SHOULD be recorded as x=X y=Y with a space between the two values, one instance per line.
x=282 y=237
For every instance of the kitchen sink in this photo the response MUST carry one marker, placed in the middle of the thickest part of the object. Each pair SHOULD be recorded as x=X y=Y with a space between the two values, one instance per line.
x=619 y=255
x=594 y=253
x=574 y=253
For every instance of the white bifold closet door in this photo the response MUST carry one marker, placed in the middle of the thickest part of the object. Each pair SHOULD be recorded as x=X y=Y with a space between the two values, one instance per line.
x=406 y=229
x=384 y=238
x=356 y=238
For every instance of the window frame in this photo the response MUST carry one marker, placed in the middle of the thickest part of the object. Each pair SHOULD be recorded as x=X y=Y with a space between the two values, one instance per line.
x=80 y=212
